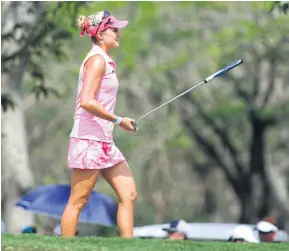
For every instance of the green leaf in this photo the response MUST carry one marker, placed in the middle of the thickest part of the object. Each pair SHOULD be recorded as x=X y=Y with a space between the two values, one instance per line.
x=6 y=102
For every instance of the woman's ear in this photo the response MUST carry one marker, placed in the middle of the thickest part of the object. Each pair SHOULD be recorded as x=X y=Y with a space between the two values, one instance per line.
x=99 y=36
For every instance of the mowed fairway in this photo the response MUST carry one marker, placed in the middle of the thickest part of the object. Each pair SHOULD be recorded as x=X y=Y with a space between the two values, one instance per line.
x=51 y=243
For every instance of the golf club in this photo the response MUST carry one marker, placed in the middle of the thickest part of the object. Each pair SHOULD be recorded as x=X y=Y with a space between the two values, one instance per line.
x=217 y=74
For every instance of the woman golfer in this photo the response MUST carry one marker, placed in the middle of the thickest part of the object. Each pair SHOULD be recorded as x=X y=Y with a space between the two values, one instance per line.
x=91 y=148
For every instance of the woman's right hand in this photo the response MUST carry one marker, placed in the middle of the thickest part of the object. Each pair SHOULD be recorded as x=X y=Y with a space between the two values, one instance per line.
x=126 y=124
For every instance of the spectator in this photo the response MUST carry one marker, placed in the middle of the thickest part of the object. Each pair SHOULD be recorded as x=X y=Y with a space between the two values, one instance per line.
x=242 y=234
x=177 y=230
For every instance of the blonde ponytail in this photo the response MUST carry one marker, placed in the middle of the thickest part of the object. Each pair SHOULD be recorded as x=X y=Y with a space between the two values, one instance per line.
x=80 y=22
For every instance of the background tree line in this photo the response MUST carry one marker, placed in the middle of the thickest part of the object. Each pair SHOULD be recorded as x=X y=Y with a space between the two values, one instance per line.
x=223 y=147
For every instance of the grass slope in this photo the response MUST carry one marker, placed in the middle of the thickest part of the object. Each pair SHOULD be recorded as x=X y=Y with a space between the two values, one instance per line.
x=52 y=243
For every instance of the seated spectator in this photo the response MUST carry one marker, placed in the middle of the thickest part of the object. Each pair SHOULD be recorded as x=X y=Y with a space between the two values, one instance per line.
x=266 y=230
x=177 y=230
x=242 y=234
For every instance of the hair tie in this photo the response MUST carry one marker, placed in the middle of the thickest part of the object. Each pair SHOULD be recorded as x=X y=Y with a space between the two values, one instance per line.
x=85 y=27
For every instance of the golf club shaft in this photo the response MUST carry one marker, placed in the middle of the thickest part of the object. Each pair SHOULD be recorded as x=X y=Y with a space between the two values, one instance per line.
x=169 y=101
x=217 y=74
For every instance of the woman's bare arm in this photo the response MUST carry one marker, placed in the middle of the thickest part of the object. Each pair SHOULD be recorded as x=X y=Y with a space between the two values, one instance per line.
x=95 y=68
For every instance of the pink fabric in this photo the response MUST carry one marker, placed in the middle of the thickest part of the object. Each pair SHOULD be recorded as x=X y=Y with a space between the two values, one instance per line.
x=87 y=126
x=108 y=22
x=91 y=154
x=85 y=27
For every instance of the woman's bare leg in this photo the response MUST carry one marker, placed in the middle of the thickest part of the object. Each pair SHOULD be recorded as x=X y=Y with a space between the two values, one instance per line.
x=82 y=184
x=121 y=180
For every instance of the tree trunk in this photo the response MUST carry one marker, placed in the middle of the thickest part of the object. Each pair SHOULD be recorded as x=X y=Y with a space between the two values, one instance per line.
x=248 y=210
x=17 y=176
x=278 y=187
x=256 y=202
x=251 y=184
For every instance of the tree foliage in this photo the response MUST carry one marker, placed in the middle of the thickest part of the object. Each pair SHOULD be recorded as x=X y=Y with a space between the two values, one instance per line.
x=47 y=35
x=217 y=137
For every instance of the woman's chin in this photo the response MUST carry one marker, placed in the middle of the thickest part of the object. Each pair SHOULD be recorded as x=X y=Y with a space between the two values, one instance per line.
x=113 y=45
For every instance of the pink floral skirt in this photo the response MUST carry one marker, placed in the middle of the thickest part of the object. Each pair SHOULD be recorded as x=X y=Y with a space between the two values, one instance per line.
x=92 y=154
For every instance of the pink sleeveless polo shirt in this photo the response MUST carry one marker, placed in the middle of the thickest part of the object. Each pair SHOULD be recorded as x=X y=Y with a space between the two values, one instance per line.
x=86 y=125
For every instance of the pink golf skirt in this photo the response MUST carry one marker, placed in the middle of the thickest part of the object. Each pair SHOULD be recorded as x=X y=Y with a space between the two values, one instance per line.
x=92 y=154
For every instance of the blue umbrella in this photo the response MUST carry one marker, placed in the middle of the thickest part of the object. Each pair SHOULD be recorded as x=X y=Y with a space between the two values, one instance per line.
x=52 y=199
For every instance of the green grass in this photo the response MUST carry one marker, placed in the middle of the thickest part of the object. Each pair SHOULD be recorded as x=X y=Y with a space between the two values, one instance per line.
x=52 y=243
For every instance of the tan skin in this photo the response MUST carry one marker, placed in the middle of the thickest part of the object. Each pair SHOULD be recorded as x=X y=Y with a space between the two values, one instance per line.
x=176 y=236
x=267 y=237
x=119 y=176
